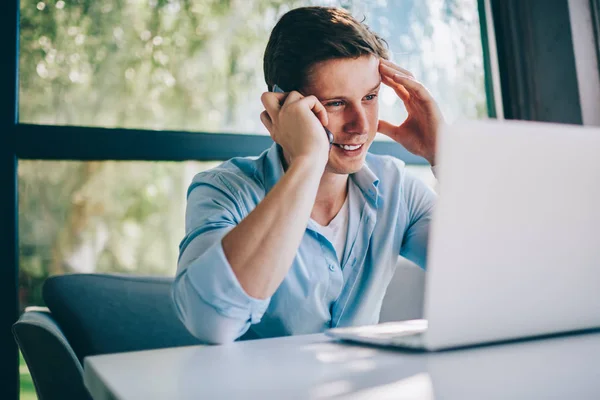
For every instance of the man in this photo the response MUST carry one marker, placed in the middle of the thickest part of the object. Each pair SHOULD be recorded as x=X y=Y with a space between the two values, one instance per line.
x=307 y=236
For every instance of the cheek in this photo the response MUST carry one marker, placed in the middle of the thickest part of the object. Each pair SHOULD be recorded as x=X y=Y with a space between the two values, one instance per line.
x=336 y=121
x=373 y=116
x=374 y=109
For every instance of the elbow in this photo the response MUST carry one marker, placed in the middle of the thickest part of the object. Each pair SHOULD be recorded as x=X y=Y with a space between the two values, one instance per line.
x=212 y=334
x=203 y=321
x=213 y=330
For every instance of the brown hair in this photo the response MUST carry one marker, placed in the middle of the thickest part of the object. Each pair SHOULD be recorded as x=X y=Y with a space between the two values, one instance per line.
x=308 y=35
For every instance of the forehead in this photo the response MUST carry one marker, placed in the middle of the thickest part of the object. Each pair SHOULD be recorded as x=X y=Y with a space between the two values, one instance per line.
x=346 y=77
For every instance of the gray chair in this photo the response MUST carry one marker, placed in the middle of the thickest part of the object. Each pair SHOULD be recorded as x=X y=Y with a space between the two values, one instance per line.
x=93 y=314
x=54 y=367
x=404 y=297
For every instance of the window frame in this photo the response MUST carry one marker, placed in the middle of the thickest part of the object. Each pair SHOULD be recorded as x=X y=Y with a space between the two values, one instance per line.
x=47 y=142
x=9 y=300
x=43 y=142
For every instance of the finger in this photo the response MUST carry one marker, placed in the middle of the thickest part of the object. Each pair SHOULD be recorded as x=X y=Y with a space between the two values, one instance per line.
x=386 y=128
x=399 y=89
x=410 y=84
x=281 y=97
x=390 y=72
x=398 y=68
x=414 y=87
x=397 y=133
x=293 y=96
x=266 y=120
x=273 y=98
x=318 y=109
x=271 y=101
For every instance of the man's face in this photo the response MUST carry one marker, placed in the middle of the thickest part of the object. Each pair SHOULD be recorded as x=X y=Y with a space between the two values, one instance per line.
x=348 y=88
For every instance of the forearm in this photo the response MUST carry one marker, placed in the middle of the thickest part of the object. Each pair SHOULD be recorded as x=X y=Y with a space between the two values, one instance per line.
x=261 y=248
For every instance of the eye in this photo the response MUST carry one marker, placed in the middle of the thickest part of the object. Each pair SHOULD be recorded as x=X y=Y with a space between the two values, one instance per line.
x=370 y=97
x=335 y=104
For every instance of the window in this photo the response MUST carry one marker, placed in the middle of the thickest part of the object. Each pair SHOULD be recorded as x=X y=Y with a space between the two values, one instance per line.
x=100 y=216
x=141 y=66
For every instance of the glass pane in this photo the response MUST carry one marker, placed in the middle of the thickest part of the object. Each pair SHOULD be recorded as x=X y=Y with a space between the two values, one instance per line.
x=197 y=64
x=27 y=391
x=109 y=216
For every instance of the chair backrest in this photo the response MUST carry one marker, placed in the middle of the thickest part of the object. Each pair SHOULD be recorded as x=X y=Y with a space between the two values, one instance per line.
x=92 y=314
x=102 y=314
x=405 y=293
x=54 y=367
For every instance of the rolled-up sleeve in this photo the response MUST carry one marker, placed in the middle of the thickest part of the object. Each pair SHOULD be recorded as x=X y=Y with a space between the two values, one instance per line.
x=207 y=296
x=420 y=201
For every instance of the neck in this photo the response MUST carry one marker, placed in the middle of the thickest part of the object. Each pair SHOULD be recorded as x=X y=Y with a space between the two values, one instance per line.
x=331 y=195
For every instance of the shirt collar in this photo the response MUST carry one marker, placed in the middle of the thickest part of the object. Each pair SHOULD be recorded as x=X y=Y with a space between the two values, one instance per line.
x=367 y=182
x=365 y=179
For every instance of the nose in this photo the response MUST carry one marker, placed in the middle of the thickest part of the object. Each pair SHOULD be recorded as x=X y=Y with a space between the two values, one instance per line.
x=357 y=120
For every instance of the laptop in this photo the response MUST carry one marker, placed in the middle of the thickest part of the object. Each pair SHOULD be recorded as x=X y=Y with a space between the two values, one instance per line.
x=514 y=246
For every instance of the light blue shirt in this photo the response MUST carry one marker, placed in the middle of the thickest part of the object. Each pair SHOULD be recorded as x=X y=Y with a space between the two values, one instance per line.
x=389 y=215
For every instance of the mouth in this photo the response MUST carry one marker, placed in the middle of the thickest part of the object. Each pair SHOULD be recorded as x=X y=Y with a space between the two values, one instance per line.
x=350 y=149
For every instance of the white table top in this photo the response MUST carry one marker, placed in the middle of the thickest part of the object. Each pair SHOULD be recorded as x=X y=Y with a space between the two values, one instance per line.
x=315 y=367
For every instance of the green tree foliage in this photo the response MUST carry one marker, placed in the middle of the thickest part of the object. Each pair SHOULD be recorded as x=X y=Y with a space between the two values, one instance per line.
x=151 y=64
x=181 y=65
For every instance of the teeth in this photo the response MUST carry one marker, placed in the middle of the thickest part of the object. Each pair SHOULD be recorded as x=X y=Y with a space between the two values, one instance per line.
x=348 y=147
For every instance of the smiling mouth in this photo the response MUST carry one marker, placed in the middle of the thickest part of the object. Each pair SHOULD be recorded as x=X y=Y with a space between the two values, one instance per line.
x=349 y=147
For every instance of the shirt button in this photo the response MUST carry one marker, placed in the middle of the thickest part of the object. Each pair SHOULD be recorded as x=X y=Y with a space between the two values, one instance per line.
x=331 y=267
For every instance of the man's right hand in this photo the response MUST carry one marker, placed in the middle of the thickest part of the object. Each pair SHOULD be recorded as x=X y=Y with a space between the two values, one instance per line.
x=296 y=123
x=261 y=248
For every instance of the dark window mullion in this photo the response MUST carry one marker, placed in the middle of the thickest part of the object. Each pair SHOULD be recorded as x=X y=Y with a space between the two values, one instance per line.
x=85 y=143
x=9 y=303
x=89 y=143
x=595 y=10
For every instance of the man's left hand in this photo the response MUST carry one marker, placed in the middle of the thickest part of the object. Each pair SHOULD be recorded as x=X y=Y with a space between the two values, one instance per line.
x=418 y=133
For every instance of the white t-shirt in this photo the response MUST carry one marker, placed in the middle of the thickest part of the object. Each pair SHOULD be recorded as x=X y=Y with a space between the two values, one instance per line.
x=337 y=230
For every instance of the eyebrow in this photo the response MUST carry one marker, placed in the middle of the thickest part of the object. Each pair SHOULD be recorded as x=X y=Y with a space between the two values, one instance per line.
x=344 y=97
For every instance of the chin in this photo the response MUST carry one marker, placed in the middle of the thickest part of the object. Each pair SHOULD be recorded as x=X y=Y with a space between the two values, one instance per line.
x=345 y=162
x=346 y=168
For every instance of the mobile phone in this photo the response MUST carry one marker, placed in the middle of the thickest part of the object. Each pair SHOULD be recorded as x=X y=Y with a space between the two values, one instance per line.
x=277 y=89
